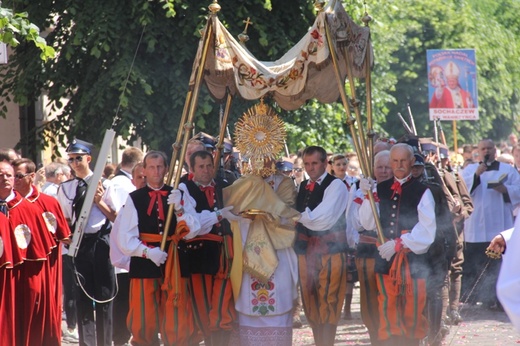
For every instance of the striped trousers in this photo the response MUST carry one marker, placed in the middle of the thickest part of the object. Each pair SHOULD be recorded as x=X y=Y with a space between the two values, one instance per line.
x=152 y=311
x=213 y=304
x=368 y=296
x=324 y=291
x=401 y=312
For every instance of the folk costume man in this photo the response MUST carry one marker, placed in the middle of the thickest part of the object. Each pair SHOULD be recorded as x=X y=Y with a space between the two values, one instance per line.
x=159 y=299
x=321 y=247
x=407 y=214
x=52 y=214
x=122 y=184
x=92 y=262
x=33 y=245
x=493 y=213
x=206 y=259
x=193 y=145
x=367 y=249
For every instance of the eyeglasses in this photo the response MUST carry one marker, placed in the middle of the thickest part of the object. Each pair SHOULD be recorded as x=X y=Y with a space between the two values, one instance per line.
x=77 y=158
x=20 y=175
x=298 y=170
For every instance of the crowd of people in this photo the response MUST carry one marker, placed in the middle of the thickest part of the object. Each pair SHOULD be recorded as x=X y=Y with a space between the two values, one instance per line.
x=243 y=252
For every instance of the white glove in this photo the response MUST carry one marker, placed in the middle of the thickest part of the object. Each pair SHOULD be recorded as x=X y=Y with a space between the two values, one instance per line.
x=366 y=185
x=387 y=250
x=156 y=255
x=227 y=214
x=175 y=198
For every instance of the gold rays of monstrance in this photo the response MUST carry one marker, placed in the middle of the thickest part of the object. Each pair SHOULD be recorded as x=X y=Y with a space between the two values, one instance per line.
x=260 y=137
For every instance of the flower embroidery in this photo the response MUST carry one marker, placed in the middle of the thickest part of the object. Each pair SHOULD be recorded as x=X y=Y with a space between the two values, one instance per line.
x=263 y=297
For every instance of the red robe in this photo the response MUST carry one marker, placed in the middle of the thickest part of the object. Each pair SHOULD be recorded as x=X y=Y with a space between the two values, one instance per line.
x=52 y=214
x=7 y=319
x=446 y=100
x=35 y=243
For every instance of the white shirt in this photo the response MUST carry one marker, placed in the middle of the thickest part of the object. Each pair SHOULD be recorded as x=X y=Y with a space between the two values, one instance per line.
x=332 y=206
x=422 y=235
x=207 y=218
x=96 y=219
x=129 y=242
x=123 y=186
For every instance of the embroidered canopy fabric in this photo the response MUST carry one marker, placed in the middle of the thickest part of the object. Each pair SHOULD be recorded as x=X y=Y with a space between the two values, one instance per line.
x=304 y=72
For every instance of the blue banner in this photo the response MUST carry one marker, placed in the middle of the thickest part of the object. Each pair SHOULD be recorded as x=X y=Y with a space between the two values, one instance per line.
x=452 y=84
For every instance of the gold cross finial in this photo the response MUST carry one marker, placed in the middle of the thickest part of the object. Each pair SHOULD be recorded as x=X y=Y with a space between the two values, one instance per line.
x=247 y=23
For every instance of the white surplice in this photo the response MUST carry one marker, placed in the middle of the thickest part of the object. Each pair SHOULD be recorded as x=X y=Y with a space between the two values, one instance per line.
x=491 y=214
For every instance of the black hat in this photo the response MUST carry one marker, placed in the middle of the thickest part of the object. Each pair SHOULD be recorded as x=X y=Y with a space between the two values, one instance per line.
x=80 y=147
x=419 y=160
x=208 y=140
x=443 y=151
x=428 y=145
x=228 y=145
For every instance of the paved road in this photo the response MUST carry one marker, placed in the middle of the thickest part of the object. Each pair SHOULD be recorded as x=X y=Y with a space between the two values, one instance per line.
x=481 y=327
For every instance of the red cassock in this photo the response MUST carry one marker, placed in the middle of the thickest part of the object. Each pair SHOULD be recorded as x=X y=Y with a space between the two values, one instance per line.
x=52 y=214
x=7 y=306
x=35 y=244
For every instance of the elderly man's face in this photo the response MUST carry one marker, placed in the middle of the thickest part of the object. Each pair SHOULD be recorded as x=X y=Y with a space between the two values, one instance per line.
x=401 y=162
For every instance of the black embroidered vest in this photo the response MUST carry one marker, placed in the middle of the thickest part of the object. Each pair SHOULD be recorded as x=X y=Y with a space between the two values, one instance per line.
x=222 y=228
x=399 y=213
x=142 y=267
x=336 y=237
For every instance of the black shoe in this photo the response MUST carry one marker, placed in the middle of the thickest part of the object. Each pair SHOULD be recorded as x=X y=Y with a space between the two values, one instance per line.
x=455 y=317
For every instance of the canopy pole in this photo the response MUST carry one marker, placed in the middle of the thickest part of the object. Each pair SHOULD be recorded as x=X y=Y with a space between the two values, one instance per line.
x=368 y=87
x=220 y=144
x=351 y=123
x=208 y=33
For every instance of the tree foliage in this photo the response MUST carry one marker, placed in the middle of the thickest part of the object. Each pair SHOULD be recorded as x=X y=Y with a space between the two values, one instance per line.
x=127 y=65
x=16 y=26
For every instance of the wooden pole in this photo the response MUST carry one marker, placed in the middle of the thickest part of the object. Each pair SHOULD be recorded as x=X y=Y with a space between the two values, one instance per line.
x=193 y=99
x=351 y=122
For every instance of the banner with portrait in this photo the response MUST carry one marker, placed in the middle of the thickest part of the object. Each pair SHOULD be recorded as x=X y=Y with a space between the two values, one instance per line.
x=452 y=84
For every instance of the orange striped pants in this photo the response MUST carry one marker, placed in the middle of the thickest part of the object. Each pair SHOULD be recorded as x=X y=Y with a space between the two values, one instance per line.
x=151 y=312
x=401 y=313
x=368 y=294
x=213 y=304
x=323 y=294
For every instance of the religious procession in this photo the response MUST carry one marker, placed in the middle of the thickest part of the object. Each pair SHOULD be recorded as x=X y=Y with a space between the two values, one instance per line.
x=235 y=240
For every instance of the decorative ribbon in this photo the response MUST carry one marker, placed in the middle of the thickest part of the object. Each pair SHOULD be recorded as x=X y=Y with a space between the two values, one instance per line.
x=310 y=185
x=156 y=196
x=396 y=187
x=400 y=272
x=209 y=191
x=172 y=275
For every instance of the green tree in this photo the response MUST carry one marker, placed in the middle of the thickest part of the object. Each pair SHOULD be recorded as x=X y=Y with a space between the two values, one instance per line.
x=416 y=26
x=16 y=26
x=129 y=66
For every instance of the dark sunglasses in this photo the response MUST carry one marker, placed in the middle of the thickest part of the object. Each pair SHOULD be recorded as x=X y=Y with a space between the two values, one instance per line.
x=77 y=158
x=20 y=175
x=298 y=170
